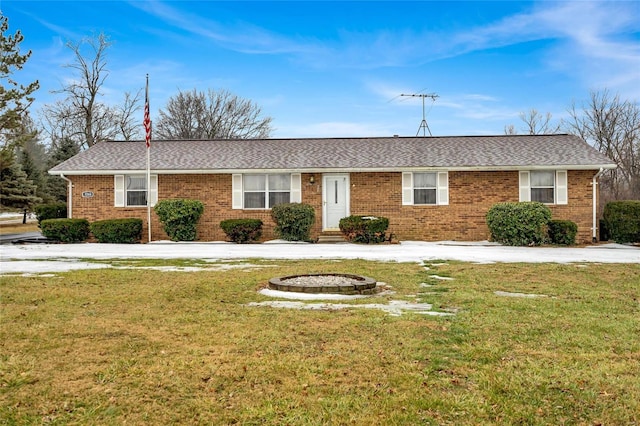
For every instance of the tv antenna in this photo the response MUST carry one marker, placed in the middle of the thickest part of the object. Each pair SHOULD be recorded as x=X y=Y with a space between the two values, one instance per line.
x=423 y=125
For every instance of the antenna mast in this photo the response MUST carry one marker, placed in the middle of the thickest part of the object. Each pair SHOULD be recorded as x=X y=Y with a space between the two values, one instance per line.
x=423 y=125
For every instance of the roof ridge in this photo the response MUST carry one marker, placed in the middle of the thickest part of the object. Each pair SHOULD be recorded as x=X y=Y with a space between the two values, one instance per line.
x=347 y=138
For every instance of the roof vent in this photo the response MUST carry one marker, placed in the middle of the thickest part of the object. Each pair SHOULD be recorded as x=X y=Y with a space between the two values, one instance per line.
x=395 y=136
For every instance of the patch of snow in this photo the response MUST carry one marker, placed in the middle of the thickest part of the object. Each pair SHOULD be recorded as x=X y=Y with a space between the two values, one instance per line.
x=309 y=296
x=394 y=308
x=525 y=295
x=469 y=243
x=438 y=277
x=613 y=246
x=285 y=242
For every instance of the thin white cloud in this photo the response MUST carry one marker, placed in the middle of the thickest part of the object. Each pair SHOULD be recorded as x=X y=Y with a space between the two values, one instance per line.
x=594 y=41
x=57 y=29
x=242 y=37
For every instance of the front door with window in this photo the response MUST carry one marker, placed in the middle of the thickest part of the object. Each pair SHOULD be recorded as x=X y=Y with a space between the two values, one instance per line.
x=335 y=200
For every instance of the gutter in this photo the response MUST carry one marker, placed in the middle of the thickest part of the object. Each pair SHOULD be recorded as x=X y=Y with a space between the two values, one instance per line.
x=69 y=196
x=594 y=185
x=320 y=169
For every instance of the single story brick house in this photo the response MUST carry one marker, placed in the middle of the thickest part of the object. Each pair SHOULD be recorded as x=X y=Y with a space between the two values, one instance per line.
x=430 y=188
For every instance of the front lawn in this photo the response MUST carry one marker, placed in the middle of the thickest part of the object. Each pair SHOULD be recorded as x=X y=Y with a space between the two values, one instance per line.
x=146 y=346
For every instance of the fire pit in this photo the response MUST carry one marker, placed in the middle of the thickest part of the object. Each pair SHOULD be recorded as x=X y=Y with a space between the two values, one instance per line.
x=324 y=283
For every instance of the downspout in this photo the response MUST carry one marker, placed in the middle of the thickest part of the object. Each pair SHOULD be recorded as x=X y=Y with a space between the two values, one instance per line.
x=69 y=197
x=594 y=185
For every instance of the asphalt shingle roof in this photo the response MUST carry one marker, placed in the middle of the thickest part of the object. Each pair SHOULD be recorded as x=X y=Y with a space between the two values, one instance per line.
x=376 y=153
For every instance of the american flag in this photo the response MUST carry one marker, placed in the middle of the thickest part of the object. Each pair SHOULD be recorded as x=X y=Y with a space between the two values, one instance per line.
x=147 y=119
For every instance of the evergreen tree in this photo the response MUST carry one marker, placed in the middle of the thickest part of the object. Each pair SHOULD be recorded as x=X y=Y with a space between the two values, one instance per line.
x=34 y=174
x=16 y=190
x=15 y=98
x=56 y=186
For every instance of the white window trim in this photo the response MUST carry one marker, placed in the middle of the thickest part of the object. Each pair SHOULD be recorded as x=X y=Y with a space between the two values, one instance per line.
x=120 y=192
x=442 y=189
x=560 y=189
x=237 y=190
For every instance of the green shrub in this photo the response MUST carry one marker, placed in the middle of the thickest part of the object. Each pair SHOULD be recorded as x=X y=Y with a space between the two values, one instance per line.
x=622 y=220
x=562 y=232
x=117 y=231
x=50 y=211
x=518 y=224
x=364 y=229
x=293 y=221
x=66 y=230
x=179 y=218
x=242 y=230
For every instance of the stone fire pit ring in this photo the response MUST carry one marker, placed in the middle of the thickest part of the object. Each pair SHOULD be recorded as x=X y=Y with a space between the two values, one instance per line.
x=324 y=283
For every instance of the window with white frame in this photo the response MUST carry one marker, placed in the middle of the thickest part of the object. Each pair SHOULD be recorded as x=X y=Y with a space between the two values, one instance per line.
x=425 y=188
x=131 y=190
x=263 y=191
x=136 y=190
x=544 y=186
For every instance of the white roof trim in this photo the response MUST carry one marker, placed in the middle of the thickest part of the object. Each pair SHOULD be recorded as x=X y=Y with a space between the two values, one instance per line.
x=333 y=170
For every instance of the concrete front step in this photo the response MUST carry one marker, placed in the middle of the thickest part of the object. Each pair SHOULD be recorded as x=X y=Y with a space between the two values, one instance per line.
x=331 y=238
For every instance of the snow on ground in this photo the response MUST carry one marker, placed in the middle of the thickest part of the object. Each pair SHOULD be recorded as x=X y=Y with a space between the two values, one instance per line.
x=31 y=258
x=393 y=308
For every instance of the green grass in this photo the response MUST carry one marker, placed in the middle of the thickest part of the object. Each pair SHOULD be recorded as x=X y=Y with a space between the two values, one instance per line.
x=144 y=346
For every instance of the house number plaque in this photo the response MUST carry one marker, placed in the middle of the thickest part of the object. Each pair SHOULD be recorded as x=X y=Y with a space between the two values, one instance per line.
x=87 y=194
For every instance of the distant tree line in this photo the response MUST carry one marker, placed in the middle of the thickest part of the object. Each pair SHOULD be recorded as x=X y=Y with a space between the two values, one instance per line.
x=612 y=126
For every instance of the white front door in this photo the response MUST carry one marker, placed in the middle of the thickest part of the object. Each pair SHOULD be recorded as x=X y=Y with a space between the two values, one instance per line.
x=335 y=200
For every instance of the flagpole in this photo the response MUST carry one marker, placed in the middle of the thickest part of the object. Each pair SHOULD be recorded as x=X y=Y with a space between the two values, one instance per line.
x=149 y=191
x=147 y=128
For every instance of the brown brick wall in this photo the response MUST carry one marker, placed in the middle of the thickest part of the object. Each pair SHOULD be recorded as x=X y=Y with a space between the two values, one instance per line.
x=471 y=194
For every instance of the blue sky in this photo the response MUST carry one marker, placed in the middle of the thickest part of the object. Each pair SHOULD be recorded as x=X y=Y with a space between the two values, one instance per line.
x=333 y=69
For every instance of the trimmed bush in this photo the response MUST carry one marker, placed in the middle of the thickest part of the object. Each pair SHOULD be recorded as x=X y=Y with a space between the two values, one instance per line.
x=622 y=221
x=364 y=229
x=66 y=230
x=562 y=232
x=50 y=211
x=179 y=218
x=117 y=231
x=242 y=230
x=293 y=221
x=518 y=224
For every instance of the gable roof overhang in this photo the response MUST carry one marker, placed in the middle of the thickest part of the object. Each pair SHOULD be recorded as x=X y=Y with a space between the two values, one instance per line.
x=339 y=155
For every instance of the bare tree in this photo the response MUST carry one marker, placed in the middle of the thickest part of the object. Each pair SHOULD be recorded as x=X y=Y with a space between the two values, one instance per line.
x=81 y=116
x=612 y=126
x=535 y=124
x=127 y=122
x=216 y=115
